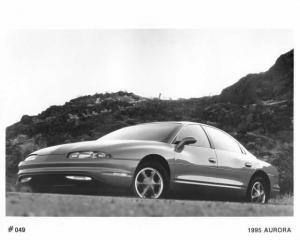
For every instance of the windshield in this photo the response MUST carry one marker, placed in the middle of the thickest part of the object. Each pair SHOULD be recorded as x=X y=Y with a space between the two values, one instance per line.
x=160 y=132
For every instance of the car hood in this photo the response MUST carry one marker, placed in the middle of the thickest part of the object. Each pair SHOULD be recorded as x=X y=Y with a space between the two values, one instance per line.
x=105 y=146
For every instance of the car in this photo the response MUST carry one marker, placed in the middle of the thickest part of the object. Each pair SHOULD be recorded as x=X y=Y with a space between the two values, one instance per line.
x=153 y=159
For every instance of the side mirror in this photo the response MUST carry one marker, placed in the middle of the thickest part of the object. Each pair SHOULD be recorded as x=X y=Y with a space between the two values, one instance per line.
x=185 y=141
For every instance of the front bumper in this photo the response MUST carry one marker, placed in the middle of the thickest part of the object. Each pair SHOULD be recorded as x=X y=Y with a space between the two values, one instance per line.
x=56 y=169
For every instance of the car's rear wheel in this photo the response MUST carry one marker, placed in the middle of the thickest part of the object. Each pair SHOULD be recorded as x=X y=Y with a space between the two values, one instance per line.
x=258 y=191
x=150 y=181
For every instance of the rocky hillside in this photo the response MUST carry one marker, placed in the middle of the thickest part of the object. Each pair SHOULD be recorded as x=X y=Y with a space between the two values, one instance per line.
x=275 y=84
x=257 y=110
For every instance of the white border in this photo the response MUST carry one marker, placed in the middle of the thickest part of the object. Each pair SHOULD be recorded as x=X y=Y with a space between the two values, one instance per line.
x=148 y=14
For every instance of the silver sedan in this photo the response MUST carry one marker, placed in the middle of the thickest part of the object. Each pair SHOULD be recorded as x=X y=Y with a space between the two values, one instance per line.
x=153 y=159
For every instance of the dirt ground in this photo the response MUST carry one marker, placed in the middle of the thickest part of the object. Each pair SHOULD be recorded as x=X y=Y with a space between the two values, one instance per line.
x=36 y=204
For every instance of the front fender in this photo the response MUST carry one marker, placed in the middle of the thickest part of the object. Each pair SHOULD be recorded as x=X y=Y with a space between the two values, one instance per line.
x=139 y=152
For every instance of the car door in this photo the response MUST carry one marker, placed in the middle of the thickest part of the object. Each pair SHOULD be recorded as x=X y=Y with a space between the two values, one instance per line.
x=195 y=163
x=234 y=166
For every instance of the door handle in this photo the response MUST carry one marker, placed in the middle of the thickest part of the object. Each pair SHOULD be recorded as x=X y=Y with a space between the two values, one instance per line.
x=212 y=160
x=247 y=164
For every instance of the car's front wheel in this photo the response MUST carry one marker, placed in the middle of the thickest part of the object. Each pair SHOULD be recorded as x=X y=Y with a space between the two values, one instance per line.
x=150 y=181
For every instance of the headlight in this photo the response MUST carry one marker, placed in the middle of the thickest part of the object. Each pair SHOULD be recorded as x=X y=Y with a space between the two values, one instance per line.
x=83 y=155
x=30 y=158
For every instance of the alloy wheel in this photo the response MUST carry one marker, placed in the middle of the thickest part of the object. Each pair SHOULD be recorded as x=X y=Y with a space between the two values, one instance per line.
x=258 y=193
x=149 y=183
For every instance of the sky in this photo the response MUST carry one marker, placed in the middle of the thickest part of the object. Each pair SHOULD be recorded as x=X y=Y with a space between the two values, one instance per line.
x=50 y=67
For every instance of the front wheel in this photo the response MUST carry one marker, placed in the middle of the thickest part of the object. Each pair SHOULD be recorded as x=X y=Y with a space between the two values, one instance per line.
x=257 y=192
x=150 y=181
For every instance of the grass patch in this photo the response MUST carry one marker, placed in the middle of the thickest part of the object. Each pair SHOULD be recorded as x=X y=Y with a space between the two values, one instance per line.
x=286 y=199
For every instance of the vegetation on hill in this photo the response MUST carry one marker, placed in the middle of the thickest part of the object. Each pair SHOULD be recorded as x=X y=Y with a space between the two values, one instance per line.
x=257 y=110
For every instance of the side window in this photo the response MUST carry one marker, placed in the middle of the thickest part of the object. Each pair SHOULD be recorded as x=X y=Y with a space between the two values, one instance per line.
x=195 y=131
x=222 y=140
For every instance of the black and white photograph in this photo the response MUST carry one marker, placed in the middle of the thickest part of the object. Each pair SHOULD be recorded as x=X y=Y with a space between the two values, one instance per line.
x=146 y=117
x=144 y=126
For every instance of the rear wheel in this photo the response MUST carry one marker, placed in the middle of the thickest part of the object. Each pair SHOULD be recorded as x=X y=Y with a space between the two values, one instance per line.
x=150 y=181
x=258 y=191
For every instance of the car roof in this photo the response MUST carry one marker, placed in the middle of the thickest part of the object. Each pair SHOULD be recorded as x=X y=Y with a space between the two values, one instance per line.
x=177 y=122
x=183 y=123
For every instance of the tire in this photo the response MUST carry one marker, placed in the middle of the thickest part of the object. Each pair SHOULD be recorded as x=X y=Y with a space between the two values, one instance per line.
x=151 y=180
x=258 y=191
